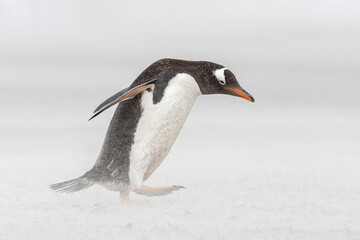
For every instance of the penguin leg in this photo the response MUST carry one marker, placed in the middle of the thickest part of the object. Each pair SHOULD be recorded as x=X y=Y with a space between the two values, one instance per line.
x=124 y=195
x=156 y=191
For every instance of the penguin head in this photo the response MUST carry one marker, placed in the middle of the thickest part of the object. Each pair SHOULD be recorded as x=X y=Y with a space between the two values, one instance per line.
x=217 y=79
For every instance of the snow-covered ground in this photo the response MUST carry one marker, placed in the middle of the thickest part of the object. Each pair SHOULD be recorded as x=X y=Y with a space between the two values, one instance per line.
x=251 y=171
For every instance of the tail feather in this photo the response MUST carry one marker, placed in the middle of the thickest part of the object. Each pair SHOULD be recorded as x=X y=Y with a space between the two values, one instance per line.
x=73 y=185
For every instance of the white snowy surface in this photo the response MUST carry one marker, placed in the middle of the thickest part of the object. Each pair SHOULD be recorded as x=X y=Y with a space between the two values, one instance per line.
x=251 y=171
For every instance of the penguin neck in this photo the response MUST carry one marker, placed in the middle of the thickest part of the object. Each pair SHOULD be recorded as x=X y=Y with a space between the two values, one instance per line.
x=183 y=88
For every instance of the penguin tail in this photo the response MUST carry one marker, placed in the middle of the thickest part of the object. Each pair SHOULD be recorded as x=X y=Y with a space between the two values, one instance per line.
x=73 y=185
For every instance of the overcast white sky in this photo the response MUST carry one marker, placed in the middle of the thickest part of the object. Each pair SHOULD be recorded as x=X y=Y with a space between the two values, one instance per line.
x=281 y=51
x=286 y=32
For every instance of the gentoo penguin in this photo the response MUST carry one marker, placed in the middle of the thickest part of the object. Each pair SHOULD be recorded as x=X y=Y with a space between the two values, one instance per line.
x=147 y=120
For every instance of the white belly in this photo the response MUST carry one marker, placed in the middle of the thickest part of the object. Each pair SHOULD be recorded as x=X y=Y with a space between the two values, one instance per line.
x=159 y=126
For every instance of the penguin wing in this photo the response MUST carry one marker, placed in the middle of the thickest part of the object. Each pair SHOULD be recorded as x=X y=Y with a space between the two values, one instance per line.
x=122 y=96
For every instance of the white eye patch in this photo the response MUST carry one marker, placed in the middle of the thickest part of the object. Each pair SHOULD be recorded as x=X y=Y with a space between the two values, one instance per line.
x=219 y=74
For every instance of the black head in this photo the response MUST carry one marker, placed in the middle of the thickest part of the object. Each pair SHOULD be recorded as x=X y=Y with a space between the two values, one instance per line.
x=213 y=78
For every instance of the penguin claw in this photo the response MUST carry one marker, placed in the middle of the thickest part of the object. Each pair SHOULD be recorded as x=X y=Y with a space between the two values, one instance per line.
x=175 y=187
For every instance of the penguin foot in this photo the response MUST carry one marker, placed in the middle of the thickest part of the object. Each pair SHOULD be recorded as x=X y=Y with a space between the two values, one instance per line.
x=124 y=195
x=157 y=191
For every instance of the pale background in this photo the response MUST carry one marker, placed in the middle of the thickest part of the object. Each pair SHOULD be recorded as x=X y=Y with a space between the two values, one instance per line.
x=284 y=167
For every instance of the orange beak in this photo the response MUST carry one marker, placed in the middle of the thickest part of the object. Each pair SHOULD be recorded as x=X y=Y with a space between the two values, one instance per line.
x=243 y=94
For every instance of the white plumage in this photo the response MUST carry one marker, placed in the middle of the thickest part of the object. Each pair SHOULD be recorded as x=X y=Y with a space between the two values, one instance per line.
x=220 y=75
x=159 y=126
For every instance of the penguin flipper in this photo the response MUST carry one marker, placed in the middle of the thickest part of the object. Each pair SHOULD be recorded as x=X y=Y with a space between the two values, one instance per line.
x=111 y=99
x=122 y=96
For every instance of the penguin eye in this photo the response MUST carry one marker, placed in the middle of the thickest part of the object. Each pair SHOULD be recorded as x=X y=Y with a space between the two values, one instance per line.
x=222 y=82
x=220 y=75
